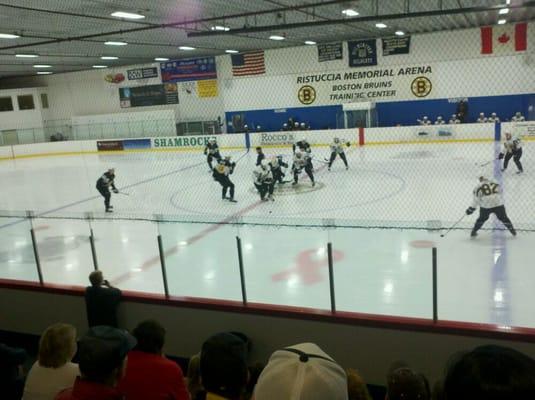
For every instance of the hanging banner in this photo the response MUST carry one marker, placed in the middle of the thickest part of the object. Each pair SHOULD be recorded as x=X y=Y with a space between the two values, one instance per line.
x=362 y=53
x=207 y=88
x=194 y=69
x=396 y=45
x=330 y=52
x=142 y=73
x=150 y=95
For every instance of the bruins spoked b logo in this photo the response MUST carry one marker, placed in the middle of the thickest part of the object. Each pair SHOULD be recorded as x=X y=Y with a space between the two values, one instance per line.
x=307 y=94
x=421 y=86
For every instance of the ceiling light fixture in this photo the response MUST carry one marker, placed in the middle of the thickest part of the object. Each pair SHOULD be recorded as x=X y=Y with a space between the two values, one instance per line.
x=127 y=15
x=161 y=59
x=42 y=66
x=380 y=25
x=503 y=11
x=187 y=48
x=44 y=72
x=310 y=42
x=502 y=21
x=26 y=55
x=220 y=28
x=112 y=43
x=277 y=37
x=232 y=51
x=100 y=66
x=8 y=36
x=109 y=58
x=349 y=12
x=400 y=33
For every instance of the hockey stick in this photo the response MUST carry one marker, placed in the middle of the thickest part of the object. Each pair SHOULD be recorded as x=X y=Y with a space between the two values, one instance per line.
x=453 y=226
x=123 y=193
x=485 y=163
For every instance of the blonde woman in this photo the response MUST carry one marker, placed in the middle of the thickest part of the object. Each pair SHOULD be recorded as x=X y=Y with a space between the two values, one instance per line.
x=53 y=371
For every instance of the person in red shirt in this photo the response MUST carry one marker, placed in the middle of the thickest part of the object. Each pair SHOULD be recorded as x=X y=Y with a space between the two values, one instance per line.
x=102 y=355
x=149 y=375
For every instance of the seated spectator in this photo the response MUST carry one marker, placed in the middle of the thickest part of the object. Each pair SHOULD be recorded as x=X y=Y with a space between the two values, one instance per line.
x=454 y=120
x=254 y=373
x=303 y=126
x=11 y=374
x=285 y=127
x=424 y=121
x=481 y=119
x=258 y=128
x=102 y=301
x=356 y=387
x=405 y=384
x=193 y=379
x=149 y=375
x=102 y=355
x=490 y=372
x=297 y=126
x=302 y=371
x=53 y=371
x=493 y=118
x=246 y=128
x=223 y=367
x=440 y=121
x=518 y=117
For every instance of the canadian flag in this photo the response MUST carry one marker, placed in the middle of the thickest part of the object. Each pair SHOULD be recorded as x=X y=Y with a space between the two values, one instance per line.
x=504 y=38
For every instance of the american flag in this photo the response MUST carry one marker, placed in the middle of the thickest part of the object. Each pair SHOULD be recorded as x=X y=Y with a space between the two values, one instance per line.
x=251 y=63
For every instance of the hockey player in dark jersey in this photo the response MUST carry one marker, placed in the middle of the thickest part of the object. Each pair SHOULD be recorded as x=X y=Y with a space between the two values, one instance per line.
x=338 y=149
x=302 y=145
x=103 y=186
x=221 y=173
x=276 y=169
x=211 y=150
x=259 y=155
x=263 y=180
x=302 y=161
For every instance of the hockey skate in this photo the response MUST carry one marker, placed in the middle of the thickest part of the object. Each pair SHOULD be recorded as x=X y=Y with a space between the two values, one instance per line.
x=313 y=183
x=231 y=199
x=109 y=210
x=473 y=234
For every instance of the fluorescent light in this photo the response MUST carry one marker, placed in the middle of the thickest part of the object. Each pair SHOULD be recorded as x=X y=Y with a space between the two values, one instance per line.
x=8 y=36
x=42 y=66
x=276 y=37
x=502 y=21
x=380 y=25
x=400 y=33
x=26 y=55
x=232 y=51
x=220 y=28
x=161 y=59
x=349 y=12
x=503 y=11
x=188 y=48
x=508 y=2
x=100 y=66
x=112 y=43
x=44 y=72
x=127 y=15
x=109 y=58
x=310 y=42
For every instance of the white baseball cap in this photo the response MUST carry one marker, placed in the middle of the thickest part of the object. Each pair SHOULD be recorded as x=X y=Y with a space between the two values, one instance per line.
x=301 y=372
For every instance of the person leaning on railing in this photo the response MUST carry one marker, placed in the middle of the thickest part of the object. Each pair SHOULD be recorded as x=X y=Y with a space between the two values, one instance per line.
x=102 y=301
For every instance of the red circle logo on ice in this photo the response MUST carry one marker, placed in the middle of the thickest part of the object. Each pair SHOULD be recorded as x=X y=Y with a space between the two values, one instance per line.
x=422 y=244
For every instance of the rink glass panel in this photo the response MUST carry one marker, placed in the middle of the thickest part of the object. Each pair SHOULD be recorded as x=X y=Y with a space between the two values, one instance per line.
x=17 y=260
x=286 y=266
x=201 y=260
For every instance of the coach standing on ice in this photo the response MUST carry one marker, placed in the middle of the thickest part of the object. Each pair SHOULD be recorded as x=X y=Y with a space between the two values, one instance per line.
x=103 y=186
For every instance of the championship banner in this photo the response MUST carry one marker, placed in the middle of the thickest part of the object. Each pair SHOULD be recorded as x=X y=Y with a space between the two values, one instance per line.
x=330 y=52
x=194 y=69
x=396 y=45
x=150 y=95
x=362 y=53
x=207 y=88
x=142 y=73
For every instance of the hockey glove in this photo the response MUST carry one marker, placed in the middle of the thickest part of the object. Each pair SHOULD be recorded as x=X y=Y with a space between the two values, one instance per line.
x=500 y=156
x=115 y=190
x=470 y=210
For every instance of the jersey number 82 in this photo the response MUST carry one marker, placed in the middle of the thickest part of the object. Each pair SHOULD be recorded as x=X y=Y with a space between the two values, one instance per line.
x=489 y=188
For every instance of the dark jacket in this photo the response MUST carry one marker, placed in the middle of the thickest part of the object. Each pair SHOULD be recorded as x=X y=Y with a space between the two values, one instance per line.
x=101 y=304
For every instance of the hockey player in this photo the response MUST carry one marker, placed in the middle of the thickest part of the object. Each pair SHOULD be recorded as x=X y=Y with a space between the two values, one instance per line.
x=493 y=118
x=303 y=146
x=263 y=181
x=302 y=161
x=259 y=155
x=454 y=120
x=440 y=121
x=513 y=149
x=103 y=186
x=518 y=117
x=211 y=150
x=487 y=195
x=482 y=119
x=337 y=148
x=276 y=169
x=222 y=170
x=424 y=121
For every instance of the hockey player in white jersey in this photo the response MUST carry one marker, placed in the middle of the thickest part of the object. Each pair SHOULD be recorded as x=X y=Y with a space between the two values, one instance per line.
x=302 y=161
x=482 y=119
x=493 y=118
x=337 y=148
x=454 y=120
x=512 y=149
x=263 y=180
x=488 y=196
x=518 y=117
x=440 y=120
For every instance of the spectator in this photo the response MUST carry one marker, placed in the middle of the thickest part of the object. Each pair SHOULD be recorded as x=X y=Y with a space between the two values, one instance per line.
x=285 y=127
x=302 y=371
x=462 y=111
x=101 y=300
x=102 y=354
x=440 y=121
x=303 y=126
x=223 y=366
x=246 y=128
x=424 y=121
x=356 y=387
x=481 y=119
x=490 y=372
x=195 y=388
x=258 y=128
x=53 y=371
x=493 y=118
x=405 y=384
x=11 y=376
x=296 y=126
x=149 y=375
x=454 y=120
x=254 y=373
x=518 y=117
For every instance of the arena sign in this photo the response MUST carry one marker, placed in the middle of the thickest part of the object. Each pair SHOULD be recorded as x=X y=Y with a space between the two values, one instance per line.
x=277 y=138
x=378 y=84
x=180 y=141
